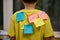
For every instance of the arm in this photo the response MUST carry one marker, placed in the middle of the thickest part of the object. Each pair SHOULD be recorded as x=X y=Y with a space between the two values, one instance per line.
x=12 y=38
x=50 y=38
x=11 y=29
x=48 y=30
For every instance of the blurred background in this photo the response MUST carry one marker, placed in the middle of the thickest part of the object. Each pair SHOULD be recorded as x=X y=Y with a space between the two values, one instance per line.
x=51 y=7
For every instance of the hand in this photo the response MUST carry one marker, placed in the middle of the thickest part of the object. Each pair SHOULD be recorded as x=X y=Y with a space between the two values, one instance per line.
x=12 y=38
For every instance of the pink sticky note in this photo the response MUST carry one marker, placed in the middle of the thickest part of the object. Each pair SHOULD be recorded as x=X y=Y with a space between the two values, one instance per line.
x=32 y=17
x=42 y=15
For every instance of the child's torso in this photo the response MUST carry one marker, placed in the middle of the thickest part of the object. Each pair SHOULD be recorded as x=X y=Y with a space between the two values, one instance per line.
x=19 y=28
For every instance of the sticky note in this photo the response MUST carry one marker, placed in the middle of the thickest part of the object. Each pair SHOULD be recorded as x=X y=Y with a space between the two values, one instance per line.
x=21 y=27
x=28 y=29
x=32 y=17
x=20 y=16
x=39 y=22
x=42 y=15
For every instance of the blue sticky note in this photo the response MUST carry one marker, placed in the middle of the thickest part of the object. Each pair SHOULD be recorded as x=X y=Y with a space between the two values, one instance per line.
x=20 y=16
x=28 y=29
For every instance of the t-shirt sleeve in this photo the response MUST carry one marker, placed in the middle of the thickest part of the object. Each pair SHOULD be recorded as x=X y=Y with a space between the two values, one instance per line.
x=11 y=28
x=48 y=30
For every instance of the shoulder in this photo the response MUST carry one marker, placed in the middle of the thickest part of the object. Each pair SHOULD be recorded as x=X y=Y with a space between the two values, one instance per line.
x=42 y=12
x=13 y=17
x=16 y=13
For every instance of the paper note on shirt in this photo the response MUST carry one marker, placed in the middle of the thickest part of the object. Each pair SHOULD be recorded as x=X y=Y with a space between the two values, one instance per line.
x=39 y=22
x=28 y=29
x=20 y=16
x=32 y=17
x=42 y=15
x=22 y=27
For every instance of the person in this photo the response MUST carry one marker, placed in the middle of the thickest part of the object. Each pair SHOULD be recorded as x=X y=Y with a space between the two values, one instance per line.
x=19 y=28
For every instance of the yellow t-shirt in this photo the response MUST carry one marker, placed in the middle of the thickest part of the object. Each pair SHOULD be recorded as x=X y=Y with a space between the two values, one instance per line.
x=16 y=29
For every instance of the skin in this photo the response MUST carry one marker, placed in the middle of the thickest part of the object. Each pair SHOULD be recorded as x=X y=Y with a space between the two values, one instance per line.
x=31 y=6
x=49 y=38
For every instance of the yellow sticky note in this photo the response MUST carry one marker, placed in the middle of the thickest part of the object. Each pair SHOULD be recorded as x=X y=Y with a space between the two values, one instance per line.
x=39 y=22
x=22 y=27
x=22 y=24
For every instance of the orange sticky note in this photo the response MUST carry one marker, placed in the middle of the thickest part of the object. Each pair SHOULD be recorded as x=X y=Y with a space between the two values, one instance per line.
x=39 y=22
x=42 y=15
x=32 y=17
